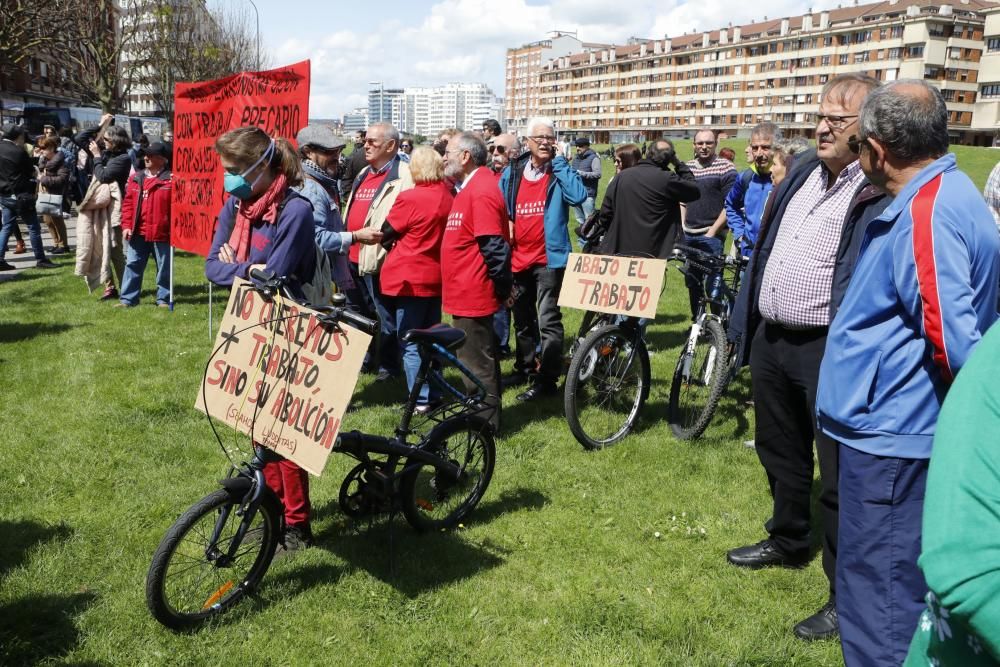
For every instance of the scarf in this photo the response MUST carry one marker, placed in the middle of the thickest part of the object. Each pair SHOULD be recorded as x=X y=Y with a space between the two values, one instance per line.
x=263 y=208
x=323 y=177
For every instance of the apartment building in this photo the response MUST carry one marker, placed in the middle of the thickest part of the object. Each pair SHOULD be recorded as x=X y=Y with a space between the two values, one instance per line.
x=737 y=76
x=523 y=69
x=428 y=110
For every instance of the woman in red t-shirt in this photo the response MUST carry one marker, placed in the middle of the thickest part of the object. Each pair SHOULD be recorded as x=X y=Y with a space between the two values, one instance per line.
x=411 y=274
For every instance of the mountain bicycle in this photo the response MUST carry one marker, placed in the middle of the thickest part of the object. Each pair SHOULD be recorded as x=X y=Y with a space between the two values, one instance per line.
x=707 y=362
x=435 y=472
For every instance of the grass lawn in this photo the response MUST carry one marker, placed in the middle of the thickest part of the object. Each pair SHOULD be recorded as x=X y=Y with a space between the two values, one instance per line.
x=559 y=564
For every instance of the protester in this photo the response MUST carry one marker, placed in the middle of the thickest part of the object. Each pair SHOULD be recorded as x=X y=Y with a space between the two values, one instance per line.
x=476 y=261
x=588 y=164
x=505 y=147
x=411 y=274
x=265 y=222
x=444 y=136
x=405 y=149
x=98 y=229
x=17 y=195
x=704 y=221
x=319 y=149
x=135 y=153
x=728 y=154
x=789 y=284
x=146 y=226
x=374 y=192
x=923 y=293
x=54 y=179
x=783 y=157
x=491 y=130
x=961 y=527
x=746 y=199
x=626 y=155
x=352 y=166
x=538 y=188
x=641 y=208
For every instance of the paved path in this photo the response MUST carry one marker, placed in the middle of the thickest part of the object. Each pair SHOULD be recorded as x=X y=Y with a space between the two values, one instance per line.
x=27 y=260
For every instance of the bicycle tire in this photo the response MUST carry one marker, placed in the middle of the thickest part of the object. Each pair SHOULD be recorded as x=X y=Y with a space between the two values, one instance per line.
x=181 y=567
x=598 y=400
x=429 y=500
x=695 y=394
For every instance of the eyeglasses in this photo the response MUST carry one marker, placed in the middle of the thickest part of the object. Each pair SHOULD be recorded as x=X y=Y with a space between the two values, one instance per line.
x=499 y=150
x=372 y=142
x=835 y=122
x=543 y=139
x=854 y=143
x=405 y=146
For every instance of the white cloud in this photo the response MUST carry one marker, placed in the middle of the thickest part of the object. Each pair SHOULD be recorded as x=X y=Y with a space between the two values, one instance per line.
x=466 y=40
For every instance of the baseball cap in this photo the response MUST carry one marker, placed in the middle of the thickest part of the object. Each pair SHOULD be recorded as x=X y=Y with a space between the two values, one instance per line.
x=582 y=141
x=157 y=148
x=320 y=136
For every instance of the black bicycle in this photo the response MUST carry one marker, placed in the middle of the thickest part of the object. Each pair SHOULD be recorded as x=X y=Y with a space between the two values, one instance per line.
x=434 y=472
x=707 y=362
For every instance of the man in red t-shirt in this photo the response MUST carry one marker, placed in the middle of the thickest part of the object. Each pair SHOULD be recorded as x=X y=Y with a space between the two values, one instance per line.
x=475 y=261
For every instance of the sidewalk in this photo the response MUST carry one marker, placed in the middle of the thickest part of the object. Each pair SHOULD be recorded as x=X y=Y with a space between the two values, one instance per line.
x=27 y=259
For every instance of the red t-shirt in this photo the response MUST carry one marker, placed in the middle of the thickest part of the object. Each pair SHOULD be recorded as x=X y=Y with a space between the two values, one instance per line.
x=362 y=201
x=478 y=210
x=529 y=224
x=413 y=266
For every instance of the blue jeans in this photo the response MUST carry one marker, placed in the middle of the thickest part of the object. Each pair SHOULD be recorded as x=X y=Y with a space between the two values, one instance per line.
x=137 y=252
x=10 y=208
x=414 y=312
x=582 y=212
x=696 y=281
x=501 y=325
x=388 y=354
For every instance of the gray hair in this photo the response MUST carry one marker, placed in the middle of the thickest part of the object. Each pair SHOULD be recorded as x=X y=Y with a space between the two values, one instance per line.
x=847 y=85
x=912 y=124
x=791 y=146
x=766 y=129
x=535 y=121
x=389 y=130
x=472 y=142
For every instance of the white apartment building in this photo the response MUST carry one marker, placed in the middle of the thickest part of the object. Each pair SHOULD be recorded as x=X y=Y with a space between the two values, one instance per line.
x=734 y=77
x=429 y=110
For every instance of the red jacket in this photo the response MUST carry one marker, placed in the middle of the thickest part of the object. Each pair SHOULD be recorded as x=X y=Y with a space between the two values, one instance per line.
x=153 y=222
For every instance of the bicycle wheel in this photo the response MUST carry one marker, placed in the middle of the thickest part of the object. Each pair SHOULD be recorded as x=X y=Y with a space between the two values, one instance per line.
x=192 y=579
x=430 y=498
x=699 y=379
x=606 y=386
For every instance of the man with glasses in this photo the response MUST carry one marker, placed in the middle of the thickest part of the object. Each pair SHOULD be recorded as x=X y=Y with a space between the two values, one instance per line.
x=538 y=188
x=923 y=293
x=797 y=273
x=745 y=201
x=704 y=220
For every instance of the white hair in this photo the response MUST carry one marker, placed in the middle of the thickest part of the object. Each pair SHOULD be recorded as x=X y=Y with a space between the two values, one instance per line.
x=389 y=131
x=542 y=121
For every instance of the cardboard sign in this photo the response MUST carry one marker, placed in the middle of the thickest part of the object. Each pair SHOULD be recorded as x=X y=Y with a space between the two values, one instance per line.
x=275 y=100
x=616 y=285
x=290 y=378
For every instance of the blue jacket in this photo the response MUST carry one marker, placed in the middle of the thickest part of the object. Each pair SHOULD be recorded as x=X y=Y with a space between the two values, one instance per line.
x=745 y=206
x=924 y=291
x=330 y=234
x=565 y=189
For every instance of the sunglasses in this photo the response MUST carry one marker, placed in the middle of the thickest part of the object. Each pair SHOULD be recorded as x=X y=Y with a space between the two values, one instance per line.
x=854 y=143
x=405 y=146
x=499 y=150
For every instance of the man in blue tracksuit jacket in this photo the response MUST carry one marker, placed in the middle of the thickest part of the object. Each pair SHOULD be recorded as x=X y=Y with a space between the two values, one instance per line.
x=746 y=199
x=923 y=293
x=539 y=187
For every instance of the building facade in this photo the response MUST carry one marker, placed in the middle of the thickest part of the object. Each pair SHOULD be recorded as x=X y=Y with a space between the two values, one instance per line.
x=523 y=68
x=735 y=77
x=356 y=120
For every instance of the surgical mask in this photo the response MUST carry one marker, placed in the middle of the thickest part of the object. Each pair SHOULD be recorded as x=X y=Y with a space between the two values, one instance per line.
x=237 y=184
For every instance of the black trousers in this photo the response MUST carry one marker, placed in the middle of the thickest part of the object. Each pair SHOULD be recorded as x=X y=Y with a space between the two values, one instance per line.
x=479 y=354
x=784 y=370
x=538 y=322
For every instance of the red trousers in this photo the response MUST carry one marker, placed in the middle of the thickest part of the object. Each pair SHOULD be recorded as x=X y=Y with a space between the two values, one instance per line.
x=291 y=484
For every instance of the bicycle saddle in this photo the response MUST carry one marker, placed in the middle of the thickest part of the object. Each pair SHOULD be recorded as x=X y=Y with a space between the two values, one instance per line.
x=447 y=337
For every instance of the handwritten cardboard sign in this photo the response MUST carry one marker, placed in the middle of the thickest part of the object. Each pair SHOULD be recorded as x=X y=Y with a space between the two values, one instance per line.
x=275 y=100
x=289 y=379
x=616 y=285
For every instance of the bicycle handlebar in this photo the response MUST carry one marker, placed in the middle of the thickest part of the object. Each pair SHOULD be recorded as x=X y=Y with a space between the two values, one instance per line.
x=269 y=283
x=705 y=260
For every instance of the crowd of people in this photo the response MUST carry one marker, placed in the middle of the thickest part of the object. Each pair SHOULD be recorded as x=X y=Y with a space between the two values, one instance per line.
x=873 y=275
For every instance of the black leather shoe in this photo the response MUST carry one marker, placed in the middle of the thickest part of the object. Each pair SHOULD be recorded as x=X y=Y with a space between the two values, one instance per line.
x=763 y=554
x=821 y=625
x=537 y=391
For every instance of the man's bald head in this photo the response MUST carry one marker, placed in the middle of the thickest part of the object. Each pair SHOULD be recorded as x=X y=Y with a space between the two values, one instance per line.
x=909 y=118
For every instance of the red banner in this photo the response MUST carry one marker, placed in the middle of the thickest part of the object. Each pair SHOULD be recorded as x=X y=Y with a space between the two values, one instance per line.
x=276 y=100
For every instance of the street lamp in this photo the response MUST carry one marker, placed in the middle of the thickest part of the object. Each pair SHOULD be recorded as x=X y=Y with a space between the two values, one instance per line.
x=257 y=16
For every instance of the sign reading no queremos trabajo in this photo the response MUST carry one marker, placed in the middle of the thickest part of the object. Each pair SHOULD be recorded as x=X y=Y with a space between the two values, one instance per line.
x=618 y=285
x=282 y=376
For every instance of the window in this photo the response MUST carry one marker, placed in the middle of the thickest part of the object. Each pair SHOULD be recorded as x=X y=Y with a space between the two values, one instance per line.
x=915 y=51
x=895 y=53
x=990 y=90
x=824 y=61
x=843 y=58
x=861 y=57
x=993 y=44
x=897 y=31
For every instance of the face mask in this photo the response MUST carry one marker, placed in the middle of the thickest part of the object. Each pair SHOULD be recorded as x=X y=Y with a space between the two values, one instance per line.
x=237 y=185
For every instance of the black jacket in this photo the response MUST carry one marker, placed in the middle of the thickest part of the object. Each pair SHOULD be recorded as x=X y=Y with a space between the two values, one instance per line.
x=17 y=173
x=113 y=168
x=867 y=204
x=641 y=209
x=350 y=170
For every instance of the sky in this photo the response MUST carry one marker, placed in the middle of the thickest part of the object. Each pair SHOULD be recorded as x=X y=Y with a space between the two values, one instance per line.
x=428 y=43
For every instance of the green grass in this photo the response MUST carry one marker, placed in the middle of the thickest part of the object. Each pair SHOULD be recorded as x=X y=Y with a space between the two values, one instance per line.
x=559 y=565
